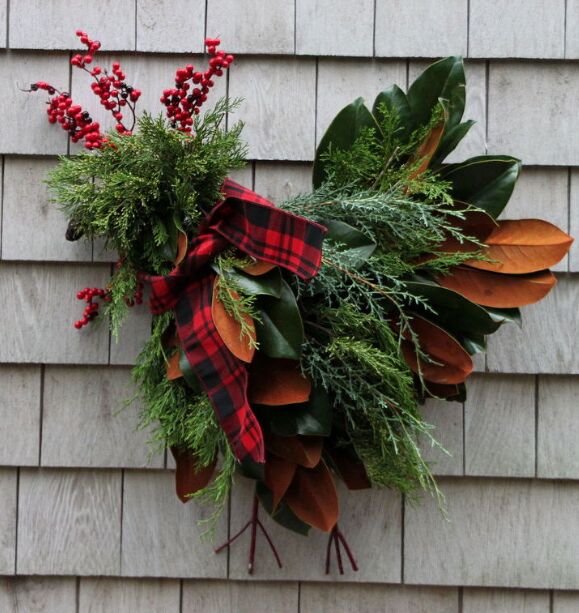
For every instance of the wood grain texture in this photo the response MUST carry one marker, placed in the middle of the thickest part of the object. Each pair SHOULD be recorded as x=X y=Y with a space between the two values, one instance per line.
x=574 y=220
x=19 y=415
x=8 y=512
x=565 y=602
x=517 y=29
x=502 y=533
x=69 y=522
x=241 y=597
x=26 y=206
x=545 y=344
x=244 y=175
x=168 y=26
x=17 y=71
x=447 y=418
x=499 y=415
x=342 y=81
x=558 y=428
x=3 y=23
x=278 y=182
x=501 y=601
x=542 y=193
x=161 y=535
x=520 y=98
x=278 y=107
x=335 y=27
x=474 y=143
x=128 y=596
x=376 y=544
x=85 y=422
x=41 y=298
x=324 y=598
x=421 y=28
x=52 y=25
x=250 y=26
x=572 y=30
x=37 y=595
x=135 y=331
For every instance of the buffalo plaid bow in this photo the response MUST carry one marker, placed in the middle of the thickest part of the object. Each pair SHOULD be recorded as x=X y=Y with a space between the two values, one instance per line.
x=253 y=225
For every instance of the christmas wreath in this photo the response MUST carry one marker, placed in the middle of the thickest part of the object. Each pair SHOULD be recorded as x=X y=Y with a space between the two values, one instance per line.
x=294 y=344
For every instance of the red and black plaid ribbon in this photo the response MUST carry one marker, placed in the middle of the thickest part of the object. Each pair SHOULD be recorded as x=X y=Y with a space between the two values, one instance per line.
x=253 y=225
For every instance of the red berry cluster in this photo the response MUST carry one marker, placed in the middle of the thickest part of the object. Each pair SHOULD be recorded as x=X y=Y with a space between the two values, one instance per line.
x=92 y=308
x=92 y=47
x=71 y=117
x=182 y=101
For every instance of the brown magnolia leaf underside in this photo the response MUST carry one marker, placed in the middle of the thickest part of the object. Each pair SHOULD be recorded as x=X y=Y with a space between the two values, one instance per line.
x=173 y=368
x=523 y=246
x=352 y=471
x=277 y=382
x=313 y=498
x=188 y=477
x=303 y=450
x=499 y=291
x=259 y=267
x=453 y=363
x=428 y=148
x=182 y=245
x=279 y=474
x=229 y=328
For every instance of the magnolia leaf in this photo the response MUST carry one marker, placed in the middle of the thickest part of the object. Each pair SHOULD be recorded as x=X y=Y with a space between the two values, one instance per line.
x=443 y=80
x=350 y=468
x=453 y=311
x=486 y=182
x=341 y=135
x=358 y=245
x=505 y=315
x=311 y=418
x=187 y=371
x=277 y=383
x=283 y=515
x=395 y=101
x=451 y=363
x=428 y=147
x=240 y=344
x=189 y=477
x=258 y=268
x=278 y=477
x=452 y=393
x=474 y=343
x=182 y=244
x=450 y=140
x=266 y=284
x=173 y=368
x=303 y=450
x=496 y=290
x=280 y=330
x=313 y=498
x=523 y=246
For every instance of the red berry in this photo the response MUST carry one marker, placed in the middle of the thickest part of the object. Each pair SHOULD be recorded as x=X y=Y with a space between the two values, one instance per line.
x=78 y=324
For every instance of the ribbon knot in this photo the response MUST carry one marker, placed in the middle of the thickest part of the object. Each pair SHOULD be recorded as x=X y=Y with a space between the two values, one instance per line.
x=253 y=225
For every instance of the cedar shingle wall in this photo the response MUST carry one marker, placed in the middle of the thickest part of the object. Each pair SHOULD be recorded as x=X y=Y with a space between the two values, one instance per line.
x=88 y=520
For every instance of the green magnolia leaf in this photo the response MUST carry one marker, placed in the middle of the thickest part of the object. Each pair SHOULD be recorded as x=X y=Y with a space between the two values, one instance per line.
x=280 y=332
x=454 y=312
x=394 y=99
x=486 y=181
x=343 y=131
x=506 y=315
x=474 y=344
x=268 y=284
x=251 y=469
x=442 y=80
x=358 y=245
x=312 y=418
x=188 y=374
x=283 y=515
x=449 y=142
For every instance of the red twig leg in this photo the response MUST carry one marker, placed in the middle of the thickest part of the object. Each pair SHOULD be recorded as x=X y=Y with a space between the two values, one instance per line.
x=338 y=539
x=254 y=522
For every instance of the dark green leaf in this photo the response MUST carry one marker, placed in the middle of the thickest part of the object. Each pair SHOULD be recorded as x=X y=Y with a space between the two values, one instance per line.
x=394 y=99
x=312 y=418
x=268 y=284
x=442 y=80
x=454 y=312
x=251 y=469
x=474 y=344
x=449 y=142
x=188 y=374
x=486 y=181
x=280 y=332
x=359 y=246
x=283 y=515
x=505 y=315
x=342 y=133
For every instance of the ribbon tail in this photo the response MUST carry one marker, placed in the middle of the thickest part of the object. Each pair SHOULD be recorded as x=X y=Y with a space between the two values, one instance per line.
x=223 y=376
